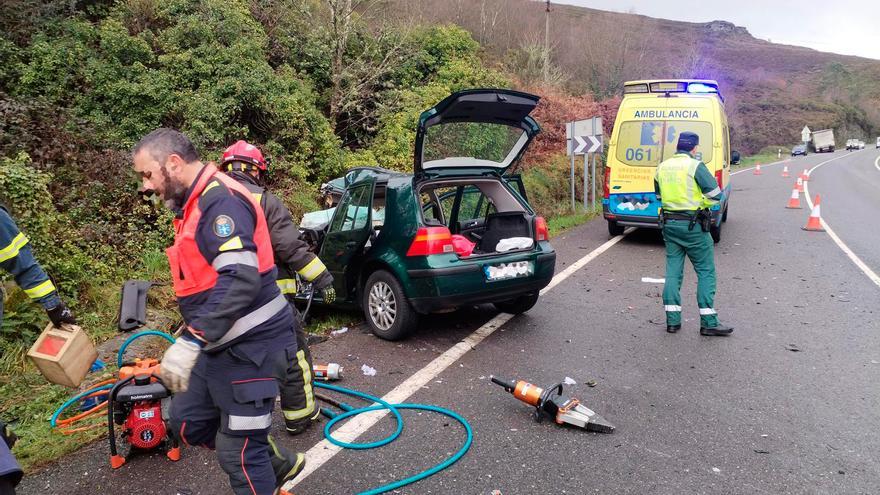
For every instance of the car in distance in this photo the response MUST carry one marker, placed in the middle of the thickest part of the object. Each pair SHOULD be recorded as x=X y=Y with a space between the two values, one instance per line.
x=800 y=149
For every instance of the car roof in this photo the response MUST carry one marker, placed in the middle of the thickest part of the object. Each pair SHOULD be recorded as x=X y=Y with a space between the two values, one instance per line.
x=380 y=174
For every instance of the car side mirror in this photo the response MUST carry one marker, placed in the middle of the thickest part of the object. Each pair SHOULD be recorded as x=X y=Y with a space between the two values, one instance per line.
x=734 y=157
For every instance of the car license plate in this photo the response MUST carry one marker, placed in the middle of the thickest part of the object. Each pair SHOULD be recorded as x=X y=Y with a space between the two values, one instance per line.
x=505 y=271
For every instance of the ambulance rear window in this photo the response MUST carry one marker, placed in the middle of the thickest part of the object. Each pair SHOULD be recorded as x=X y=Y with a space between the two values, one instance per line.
x=646 y=143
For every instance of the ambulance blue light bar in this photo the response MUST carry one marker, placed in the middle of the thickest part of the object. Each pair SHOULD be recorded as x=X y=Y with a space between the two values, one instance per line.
x=701 y=88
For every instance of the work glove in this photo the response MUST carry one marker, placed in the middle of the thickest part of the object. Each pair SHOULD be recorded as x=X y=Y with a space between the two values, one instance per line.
x=177 y=364
x=7 y=435
x=328 y=294
x=61 y=314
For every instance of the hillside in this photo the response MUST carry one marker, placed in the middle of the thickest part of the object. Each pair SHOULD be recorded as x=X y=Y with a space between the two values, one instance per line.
x=771 y=90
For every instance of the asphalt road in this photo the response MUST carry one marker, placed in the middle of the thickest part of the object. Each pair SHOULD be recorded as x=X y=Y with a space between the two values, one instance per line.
x=788 y=404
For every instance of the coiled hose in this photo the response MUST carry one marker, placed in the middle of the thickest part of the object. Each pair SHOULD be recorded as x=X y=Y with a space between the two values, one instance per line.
x=393 y=408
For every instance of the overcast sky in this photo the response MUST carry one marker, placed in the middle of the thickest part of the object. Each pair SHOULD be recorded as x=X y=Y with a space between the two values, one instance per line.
x=851 y=27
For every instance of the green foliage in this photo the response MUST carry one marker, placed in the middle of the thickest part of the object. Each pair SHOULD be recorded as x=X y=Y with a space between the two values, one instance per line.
x=446 y=63
x=197 y=66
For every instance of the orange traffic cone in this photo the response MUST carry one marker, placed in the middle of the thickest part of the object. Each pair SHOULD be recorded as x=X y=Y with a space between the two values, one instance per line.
x=815 y=222
x=757 y=169
x=805 y=176
x=800 y=184
x=795 y=201
x=785 y=171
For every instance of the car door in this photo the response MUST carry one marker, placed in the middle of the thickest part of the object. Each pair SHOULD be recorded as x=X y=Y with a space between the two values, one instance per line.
x=343 y=247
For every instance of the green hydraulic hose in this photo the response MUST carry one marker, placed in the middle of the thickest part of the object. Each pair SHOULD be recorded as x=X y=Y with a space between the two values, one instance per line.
x=393 y=408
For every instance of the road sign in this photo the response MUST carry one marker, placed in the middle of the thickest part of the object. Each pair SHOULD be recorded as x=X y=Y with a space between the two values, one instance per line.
x=586 y=127
x=805 y=134
x=587 y=144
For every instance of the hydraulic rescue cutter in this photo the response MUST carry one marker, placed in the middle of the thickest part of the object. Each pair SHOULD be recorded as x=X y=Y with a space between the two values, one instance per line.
x=139 y=403
x=552 y=403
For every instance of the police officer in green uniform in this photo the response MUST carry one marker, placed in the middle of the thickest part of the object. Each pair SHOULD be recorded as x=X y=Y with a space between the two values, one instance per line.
x=687 y=190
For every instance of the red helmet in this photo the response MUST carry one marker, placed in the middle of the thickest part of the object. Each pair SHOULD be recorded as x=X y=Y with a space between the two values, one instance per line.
x=244 y=152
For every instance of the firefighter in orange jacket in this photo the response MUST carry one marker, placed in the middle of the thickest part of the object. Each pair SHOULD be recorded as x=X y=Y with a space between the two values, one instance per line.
x=245 y=163
x=225 y=368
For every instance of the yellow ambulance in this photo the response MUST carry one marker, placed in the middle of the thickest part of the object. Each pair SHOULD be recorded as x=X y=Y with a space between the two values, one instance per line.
x=652 y=114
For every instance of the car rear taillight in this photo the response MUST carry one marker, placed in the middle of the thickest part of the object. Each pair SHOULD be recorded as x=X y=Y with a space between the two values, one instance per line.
x=541 y=231
x=431 y=240
x=606 y=189
x=718 y=176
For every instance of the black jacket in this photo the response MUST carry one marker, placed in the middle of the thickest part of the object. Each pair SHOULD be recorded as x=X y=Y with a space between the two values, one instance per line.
x=292 y=254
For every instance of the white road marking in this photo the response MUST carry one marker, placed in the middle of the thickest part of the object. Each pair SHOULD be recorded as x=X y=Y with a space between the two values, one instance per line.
x=837 y=240
x=877 y=163
x=323 y=451
x=762 y=165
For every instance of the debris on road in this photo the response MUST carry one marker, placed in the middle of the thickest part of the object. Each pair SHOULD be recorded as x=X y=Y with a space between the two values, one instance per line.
x=569 y=381
x=649 y=280
x=716 y=470
x=368 y=371
x=793 y=348
x=592 y=383
x=759 y=451
x=339 y=332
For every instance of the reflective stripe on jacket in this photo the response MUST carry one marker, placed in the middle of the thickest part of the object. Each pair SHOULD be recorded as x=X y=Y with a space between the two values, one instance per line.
x=17 y=259
x=677 y=182
x=190 y=270
x=292 y=255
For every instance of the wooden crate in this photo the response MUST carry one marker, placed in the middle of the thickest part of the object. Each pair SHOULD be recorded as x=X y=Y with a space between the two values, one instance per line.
x=63 y=355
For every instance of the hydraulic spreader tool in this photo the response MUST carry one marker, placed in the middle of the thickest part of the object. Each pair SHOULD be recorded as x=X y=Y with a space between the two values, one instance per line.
x=552 y=403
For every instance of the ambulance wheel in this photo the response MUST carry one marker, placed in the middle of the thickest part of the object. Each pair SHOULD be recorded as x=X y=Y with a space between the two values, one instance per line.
x=614 y=229
x=715 y=231
x=386 y=308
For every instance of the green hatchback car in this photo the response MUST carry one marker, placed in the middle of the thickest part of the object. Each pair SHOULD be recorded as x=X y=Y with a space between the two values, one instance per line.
x=458 y=231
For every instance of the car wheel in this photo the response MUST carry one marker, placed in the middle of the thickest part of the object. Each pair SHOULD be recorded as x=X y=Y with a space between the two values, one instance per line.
x=518 y=305
x=386 y=307
x=614 y=229
x=724 y=215
x=715 y=231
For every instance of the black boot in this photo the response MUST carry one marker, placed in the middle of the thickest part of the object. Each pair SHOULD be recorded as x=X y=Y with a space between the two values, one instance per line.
x=717 y=330
x=300 y=425
x=286 y=464
x=673 y=328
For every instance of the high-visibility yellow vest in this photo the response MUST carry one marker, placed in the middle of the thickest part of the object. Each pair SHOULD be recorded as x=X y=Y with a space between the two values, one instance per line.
x=679 y=190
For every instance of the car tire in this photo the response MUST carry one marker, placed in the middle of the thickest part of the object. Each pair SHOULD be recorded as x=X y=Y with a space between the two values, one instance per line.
x=724 y=215
x=386 y=308
x=517 y=305
x=715 y=231
x=615 y=229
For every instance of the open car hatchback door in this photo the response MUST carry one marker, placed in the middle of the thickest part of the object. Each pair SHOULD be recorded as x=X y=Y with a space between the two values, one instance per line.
x=475 y=131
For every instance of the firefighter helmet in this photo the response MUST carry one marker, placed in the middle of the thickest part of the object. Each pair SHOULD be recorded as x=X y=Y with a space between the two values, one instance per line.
x=245 y=153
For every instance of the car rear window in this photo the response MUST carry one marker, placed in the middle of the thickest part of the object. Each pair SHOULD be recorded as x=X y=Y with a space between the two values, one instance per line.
x=646 y=143
x=473 y=143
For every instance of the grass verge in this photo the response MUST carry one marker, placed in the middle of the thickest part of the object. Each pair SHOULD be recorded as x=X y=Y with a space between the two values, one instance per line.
x=767 y=155
x=558 y=224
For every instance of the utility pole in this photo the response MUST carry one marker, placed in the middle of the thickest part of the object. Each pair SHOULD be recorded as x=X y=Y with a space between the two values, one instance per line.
x=547 y=42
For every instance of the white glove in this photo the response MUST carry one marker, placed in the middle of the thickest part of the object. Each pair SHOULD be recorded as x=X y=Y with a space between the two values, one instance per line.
x=177 y=364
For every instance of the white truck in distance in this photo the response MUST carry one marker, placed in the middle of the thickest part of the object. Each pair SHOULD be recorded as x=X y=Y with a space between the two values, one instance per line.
x=823 y=140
